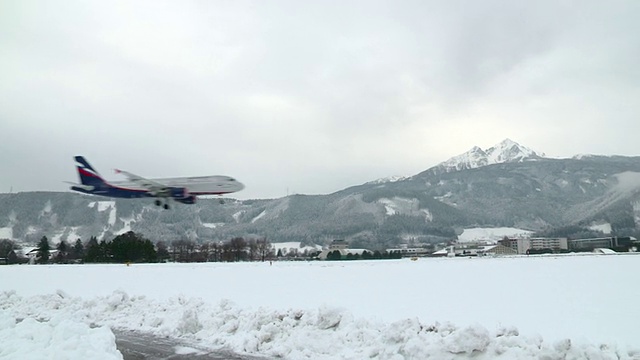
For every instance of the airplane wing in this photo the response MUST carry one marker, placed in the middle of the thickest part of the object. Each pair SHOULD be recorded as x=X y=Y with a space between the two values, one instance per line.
x=154 y=187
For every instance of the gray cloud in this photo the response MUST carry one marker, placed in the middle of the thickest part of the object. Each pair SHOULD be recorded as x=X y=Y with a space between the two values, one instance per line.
x=310 y=97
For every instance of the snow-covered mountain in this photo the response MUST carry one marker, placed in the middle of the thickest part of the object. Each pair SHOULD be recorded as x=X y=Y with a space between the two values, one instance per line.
x=388 y=179
x=506 y=151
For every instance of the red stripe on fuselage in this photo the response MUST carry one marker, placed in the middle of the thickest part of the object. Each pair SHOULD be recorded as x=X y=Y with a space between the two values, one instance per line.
x=87 y=173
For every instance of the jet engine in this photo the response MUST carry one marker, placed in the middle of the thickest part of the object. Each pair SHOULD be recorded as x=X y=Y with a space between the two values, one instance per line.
x=181 y=194
x=178 y=193
x=191 y=199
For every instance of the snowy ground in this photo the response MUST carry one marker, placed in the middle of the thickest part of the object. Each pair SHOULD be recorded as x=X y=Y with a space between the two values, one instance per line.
x=554 y=307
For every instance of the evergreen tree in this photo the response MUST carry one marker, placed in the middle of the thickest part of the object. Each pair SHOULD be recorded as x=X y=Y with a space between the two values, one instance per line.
x=62 y=246
x=149 y=251
x=334 y=255
x=131 y=247
x=93 y=250
x=62 y=251
x=78 y=250
x=42 y=256
x=12 y=258
x=7 y=250
x=104 y=254
x=6 y=246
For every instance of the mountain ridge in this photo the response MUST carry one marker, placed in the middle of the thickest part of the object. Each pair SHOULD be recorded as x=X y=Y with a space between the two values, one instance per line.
x=555 y=196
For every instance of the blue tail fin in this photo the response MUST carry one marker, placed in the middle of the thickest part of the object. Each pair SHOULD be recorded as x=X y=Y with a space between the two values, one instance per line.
x=88 y=176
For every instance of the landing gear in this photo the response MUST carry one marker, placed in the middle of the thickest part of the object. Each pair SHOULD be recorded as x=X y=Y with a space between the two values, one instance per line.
x=159 y=203
x=221 y=201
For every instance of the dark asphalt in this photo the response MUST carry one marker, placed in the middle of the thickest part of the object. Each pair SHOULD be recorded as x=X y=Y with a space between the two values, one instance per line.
x=140 y=346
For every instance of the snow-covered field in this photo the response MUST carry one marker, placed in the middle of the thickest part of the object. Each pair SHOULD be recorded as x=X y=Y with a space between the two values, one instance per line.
x=553 y=307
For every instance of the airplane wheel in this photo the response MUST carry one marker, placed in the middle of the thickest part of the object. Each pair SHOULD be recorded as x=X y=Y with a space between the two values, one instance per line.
x=221 y=201
x=158 y=203
x=166 y=206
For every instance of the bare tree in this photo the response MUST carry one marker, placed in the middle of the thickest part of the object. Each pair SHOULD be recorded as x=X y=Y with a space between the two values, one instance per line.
x=191 y=250
x=227 y=252
x=253 y=249
x=183 y=250
x=238 y=246
x=205 y=251
x=163 y=252
x=178 y=250
x=216 y=251
x=264 y=248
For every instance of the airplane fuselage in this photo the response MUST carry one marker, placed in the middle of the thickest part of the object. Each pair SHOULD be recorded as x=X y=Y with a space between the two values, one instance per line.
x=199 y=185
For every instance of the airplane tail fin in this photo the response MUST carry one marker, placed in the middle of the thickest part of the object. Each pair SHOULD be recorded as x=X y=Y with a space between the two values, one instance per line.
x=88 y=175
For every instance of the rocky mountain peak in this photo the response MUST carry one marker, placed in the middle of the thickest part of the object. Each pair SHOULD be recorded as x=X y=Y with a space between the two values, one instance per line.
x=504 y=152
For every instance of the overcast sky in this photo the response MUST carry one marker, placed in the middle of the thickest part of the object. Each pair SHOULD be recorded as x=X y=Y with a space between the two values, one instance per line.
x=307 y=97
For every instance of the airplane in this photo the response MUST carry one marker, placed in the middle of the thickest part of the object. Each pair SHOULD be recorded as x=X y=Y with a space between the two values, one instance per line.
x=183 y=190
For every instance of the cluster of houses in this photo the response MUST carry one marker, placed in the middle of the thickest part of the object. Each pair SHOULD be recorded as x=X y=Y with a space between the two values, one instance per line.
x=25 y=255
x=506 y=246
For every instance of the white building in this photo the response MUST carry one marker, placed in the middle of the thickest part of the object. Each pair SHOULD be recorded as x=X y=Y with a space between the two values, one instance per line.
x=343 y=248
x=522 y=246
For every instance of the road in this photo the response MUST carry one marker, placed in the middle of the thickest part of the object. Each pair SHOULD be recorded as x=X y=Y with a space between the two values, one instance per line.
x=139 y=346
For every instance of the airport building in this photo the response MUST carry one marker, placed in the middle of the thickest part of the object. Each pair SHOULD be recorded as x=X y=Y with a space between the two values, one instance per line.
x=623 y=242
x=523 y=246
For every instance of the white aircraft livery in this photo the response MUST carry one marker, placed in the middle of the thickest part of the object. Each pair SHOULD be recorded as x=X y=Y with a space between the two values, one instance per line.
x=183 y=189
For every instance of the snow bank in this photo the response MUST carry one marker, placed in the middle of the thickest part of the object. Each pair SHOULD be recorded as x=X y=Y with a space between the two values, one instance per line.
x=564 y=307
x=323 y=333
x=54 y=338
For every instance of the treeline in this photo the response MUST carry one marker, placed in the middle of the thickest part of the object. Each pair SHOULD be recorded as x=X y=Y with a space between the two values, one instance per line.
x=128 y=247
x=366 y=255
x=133 y=247
x=237 y=249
